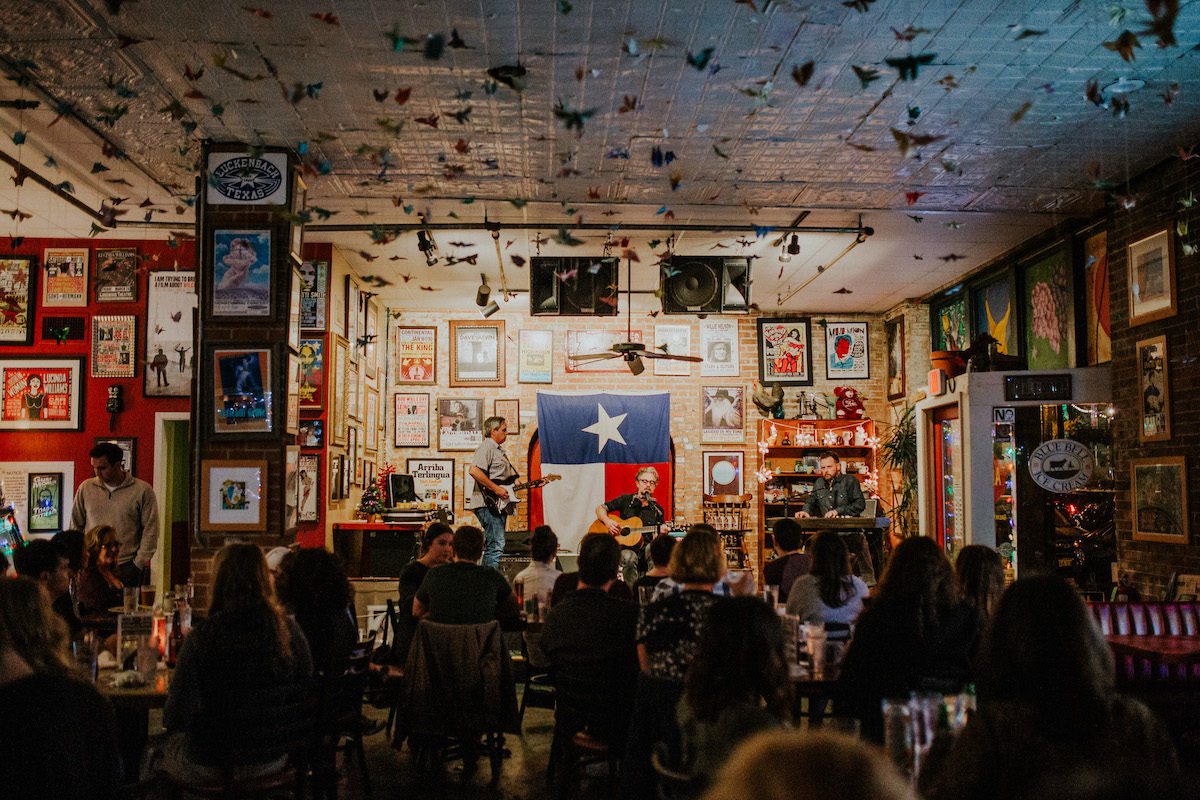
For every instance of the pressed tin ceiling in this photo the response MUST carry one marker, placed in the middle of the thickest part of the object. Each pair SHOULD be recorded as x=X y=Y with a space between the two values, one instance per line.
x=683 y=114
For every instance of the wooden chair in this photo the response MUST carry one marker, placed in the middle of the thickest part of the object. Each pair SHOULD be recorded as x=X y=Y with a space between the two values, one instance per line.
x=727 y=513
x=342 y=731
x=538 y=689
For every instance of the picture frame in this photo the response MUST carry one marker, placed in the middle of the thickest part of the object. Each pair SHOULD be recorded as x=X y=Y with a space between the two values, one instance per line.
x=242 y=274
x=993 y=312
x=336 y=464
x=719 y=346
x=1049 y=304
x=1093 y=249
x=171 y=301
x=314 y=295
x=295 y=290
x=535 y=356
x=370 y=348
x=128 y=446
x=460 y=423
x=65 y=277
x=244 y=401
x=352 y=454
x=1154 y=388
x=597 y=341
x=113 y=346
x=722 y=414
x=477 y=352
x=116 y=275
x=847 y=351
x=42 y=394
x=371 y=420
x=312 y=433
x=411 y=420
x=347 y=467
x=292 y=413
x=298 y=200
x=338 y=374
x=312 y=374
x=291 y=489
x=948 y=329
x=1159 y=495
x=354 y=389
x=511 y=411
x=368 y=472
x=353 y=316
x=784 y=347
x=44 y=496
x=415 y=349
x=18 y=288
x=309 y=476
x=674 y=340
x=723 y=472
x=232 y=495
x=897 y=380
x=433 y=479
x=1150 y=263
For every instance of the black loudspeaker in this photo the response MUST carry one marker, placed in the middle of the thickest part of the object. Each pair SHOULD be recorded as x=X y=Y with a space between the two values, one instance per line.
x=705 y=285
x=573 y=287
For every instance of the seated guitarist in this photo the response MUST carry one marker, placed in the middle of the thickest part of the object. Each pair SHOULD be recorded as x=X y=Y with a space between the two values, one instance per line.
x=489 y=465
x=641 y=505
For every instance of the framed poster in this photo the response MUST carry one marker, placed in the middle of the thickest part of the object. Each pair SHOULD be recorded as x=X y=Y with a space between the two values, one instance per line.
x=169 y=355
x=675 y=340
x=312 y=374
x=1155 y=389
x=412 y=420
x=292 y=415
x=335 y=476
x=1151 y=265
x=231 y=495
x=312 y=433
x=353 y=316
x=593 y=341
x=353 y=456
x=460 y=423
x=949 y=325
x=42 y=394
x=65 y=276
x=294 y=309
x=242 y=396
x=415 y=350
x=1049 y=312
x=511 y=411
x=347 y=465
x=299 y=199
x=897 y=387
x=291 y=488
x=354 y=389
x=719 y=346
x=241 y=274
x=45 y=502
x=846 y=351
x=433 y=479
x=17 y=286
x=116 y=275
x=338 y=375
x=1097 y=312
x=993 y=308
x=113 y=346
x=722 y=470
x=1160 y=507
x=370 y=350
x=310 y=487
x=371 y=420
x=314 y=295
x=784 y=351
x=723 y=408
x=128 y=447
x=476 y=353
x=535 y=357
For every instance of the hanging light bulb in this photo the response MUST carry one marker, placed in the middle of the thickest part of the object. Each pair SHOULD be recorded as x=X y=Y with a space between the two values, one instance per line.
x=793 y=247
x=784 y=256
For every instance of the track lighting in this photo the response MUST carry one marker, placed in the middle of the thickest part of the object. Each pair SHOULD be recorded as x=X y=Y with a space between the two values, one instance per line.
x=783 y=254
x=793 y=248
x=428 y=246
x=483 y=292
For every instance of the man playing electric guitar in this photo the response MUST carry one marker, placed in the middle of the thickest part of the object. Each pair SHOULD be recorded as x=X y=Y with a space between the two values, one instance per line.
x=641 y=505
x=489 y=465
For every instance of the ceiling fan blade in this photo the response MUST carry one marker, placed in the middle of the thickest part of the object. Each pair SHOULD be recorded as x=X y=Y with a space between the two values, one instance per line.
x=653 y=354
x=593 y=356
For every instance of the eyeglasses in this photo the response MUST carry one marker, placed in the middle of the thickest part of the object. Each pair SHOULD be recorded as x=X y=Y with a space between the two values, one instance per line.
x=111 y=545
x=648 y=481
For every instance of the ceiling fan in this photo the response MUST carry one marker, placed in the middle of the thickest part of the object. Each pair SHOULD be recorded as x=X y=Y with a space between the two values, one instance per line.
x=633 y=352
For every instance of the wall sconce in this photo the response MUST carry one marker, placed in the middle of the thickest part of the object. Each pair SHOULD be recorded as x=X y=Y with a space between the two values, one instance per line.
x=793 y=248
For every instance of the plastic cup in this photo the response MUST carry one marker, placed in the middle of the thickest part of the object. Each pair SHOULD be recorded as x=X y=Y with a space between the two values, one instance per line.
x=130 y=599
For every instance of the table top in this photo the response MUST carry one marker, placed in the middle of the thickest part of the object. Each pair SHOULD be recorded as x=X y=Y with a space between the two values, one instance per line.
x=152 y=695
x=1172 y=649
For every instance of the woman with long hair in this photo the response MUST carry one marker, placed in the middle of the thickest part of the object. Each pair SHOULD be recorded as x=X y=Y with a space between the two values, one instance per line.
x=1047 y=707
x=313 y=586
x=436 y=550
x=980 y=574
x=99 y=587
x=830 y=592
x=917 y=635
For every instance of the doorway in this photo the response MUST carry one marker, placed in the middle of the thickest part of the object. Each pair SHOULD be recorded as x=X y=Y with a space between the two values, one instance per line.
x=173 y=490
x=945 y=429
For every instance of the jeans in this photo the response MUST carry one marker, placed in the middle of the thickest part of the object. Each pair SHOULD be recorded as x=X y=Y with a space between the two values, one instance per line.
x=493 y=535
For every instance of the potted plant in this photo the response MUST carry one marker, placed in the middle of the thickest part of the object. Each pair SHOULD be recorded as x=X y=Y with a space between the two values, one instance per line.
x=898 y=450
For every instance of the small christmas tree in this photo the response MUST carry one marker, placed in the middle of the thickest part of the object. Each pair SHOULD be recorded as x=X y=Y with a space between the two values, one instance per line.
x=371 y=501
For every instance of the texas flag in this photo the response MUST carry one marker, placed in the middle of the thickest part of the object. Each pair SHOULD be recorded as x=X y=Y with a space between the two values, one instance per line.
x=597 y=443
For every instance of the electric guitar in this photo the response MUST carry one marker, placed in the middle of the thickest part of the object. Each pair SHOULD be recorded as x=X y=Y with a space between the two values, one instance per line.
x=632 y=530
x=502 y=504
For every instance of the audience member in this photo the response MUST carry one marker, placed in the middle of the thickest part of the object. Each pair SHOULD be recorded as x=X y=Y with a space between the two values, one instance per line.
x=660 y=550
x=569 y=581
x=246 y=651
x=59 y=734
x=737 y=685
x=1047 y=706
x=789 y=563
x=114 y=497
x=312 y=585
x=917 y=635
x=47 y=563
x=830 y=592
x=742 y=585
x=463 y=592
x=436 y=550
x=980 y=573
x=99 y=587
x=537 y=579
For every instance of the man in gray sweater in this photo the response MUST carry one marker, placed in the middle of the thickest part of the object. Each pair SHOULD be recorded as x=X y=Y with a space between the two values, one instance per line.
x=114 y=497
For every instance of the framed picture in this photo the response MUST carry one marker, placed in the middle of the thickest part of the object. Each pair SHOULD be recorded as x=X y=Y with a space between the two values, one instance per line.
x=116 y=275
x=368 y=472
x=312 y=433
x=292 y=415
x=353 y=316
x=1160 y=508
x=241 y=273
x=784 y=351
x=433 y=479
x=370 y=349
x=338 y=375
x=242 y=397
x=113 y=346
x=897 y=386
x=535 y=357
x=314 y=295
x=1049 y=312
x=1155 y=388
x=476 y=353
x=347 y=466
x=992 y=309
x=460 y=423
x=412 y=420
x=353 y=389
x=42 y=394
x=335 y=476
x=371 y=420
x=297 y=284
x=511 y=411
x=299 y=199
x=65 y=276
x=1097 y=312
x=18 y=279
x=719 y=346
x=593 y=341
x=169 y=355
x=1151 y=278
x=415 y=349
x=312 y=374
x=846 y=351
x=675 y=340
x=291 y=488
x=128 y=447
x=231 y=495
x=310 y=487
x=723 y=408
x=722 y=471
x=352 y=454
x=45 y=502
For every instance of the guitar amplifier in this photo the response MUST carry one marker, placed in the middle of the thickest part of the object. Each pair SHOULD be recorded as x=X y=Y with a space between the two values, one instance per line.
x=511 y=565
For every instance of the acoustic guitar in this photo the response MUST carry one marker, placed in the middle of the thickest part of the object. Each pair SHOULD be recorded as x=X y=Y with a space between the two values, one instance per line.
x=501 y=504
x=632 y=530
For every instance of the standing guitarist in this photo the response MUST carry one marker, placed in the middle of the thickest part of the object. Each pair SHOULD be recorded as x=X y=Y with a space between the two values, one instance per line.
x=641 y=505
x=489 y=465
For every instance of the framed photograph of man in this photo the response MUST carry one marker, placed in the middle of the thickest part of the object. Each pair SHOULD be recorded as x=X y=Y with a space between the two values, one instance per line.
x=242 y=398
x=336 y=465
x=1160 y=499
x=722 y=414
x=719 y=347
x=722 y=470
x=231 y=495
x=460 y=423
x=894 y=333
x=41 y=394
x=1155 y=388
x=312 y=433
x=18 y=278
x=784 y=351
x=476 y=353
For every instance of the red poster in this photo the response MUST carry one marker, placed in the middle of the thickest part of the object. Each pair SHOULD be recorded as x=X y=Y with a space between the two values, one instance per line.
x=37 y=394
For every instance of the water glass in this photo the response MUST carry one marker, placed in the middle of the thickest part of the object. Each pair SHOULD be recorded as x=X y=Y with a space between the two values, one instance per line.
x=645 y=594
x=898 y=733
x=130 y=599
x=771 y=595
x=815 y=639
x=87 y=655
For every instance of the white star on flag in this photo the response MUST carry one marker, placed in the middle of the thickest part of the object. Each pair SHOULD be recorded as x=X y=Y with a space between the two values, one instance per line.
x=606 y=428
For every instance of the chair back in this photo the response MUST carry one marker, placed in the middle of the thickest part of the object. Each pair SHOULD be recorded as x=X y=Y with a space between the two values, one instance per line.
x=257 y=725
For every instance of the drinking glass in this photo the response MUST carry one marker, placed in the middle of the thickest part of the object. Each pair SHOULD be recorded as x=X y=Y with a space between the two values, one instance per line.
x=771 y=595
x=130 y=598
x=814 y=641
x=147 y=657
x=148 y=595
x=86 y=655
x=898 y=733
x=645 y=595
